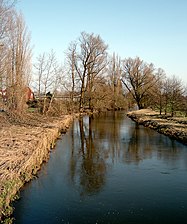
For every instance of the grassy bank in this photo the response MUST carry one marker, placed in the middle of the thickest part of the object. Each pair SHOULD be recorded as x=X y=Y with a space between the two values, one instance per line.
x=23 y=148
x=174 y=127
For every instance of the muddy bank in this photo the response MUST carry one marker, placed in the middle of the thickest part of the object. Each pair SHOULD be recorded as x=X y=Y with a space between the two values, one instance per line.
x=173 y=127
x=23 y=148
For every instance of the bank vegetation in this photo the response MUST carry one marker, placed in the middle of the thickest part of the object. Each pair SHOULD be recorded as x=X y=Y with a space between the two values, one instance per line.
x=89 y=80
x=173 y=127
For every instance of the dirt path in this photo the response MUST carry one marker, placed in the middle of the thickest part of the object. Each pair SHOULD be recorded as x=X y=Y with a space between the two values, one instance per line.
x=174 y=127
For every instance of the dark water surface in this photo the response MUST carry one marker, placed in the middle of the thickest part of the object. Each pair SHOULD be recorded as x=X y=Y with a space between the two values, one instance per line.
x=107 y=169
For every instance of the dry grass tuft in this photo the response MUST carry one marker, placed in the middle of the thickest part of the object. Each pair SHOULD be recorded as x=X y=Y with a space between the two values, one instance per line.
x=24 y=145
x=174 y=127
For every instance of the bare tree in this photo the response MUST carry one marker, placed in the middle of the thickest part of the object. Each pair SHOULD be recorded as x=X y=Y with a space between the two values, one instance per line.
x=6 y=7
x=114 y=75
x=2 y=67
x=103 y=94
x=39 y=72
x=45 y=71
x=139 y=78
x=183 y=107
x=173 y=94
x=17 y=62
x=91 y=61
x=48 y=74
x=156 y=96
x=72 y=76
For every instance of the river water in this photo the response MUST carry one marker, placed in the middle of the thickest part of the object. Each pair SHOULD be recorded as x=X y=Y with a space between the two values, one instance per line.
x=108 y=169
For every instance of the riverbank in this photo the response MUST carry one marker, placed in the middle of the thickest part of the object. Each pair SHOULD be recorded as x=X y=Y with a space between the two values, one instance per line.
x=24 y=146
x=173 y=127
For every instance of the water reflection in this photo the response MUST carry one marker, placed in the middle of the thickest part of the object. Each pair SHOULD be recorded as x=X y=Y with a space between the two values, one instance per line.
x=108 y=169
x=87 y=165
x=99 y=142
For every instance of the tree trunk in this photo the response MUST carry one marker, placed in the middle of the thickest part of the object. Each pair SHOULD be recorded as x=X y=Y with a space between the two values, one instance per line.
x=81 y=99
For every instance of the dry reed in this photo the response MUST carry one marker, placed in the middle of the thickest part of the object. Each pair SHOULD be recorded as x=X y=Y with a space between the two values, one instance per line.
x=174 y=127
x=23 y=148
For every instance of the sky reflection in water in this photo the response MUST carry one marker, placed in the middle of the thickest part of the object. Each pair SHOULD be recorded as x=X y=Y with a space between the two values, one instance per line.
x=107 y=169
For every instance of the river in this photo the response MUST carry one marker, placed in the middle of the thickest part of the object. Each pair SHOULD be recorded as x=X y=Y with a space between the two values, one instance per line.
x=108 y=169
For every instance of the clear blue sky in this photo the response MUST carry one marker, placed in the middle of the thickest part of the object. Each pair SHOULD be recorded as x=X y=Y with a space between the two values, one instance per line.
x=154 y=30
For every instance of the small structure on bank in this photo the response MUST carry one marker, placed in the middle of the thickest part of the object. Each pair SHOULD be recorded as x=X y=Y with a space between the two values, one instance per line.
x=12 y=98
x=29 y=94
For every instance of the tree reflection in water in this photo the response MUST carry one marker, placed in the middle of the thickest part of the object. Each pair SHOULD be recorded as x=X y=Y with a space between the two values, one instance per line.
x=144 y=143
x=108 y=169
x=97 y=144
x=87 y=166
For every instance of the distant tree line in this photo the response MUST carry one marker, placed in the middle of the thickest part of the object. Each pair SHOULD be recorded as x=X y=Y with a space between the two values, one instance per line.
x=90 y=79
x=150 y=87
